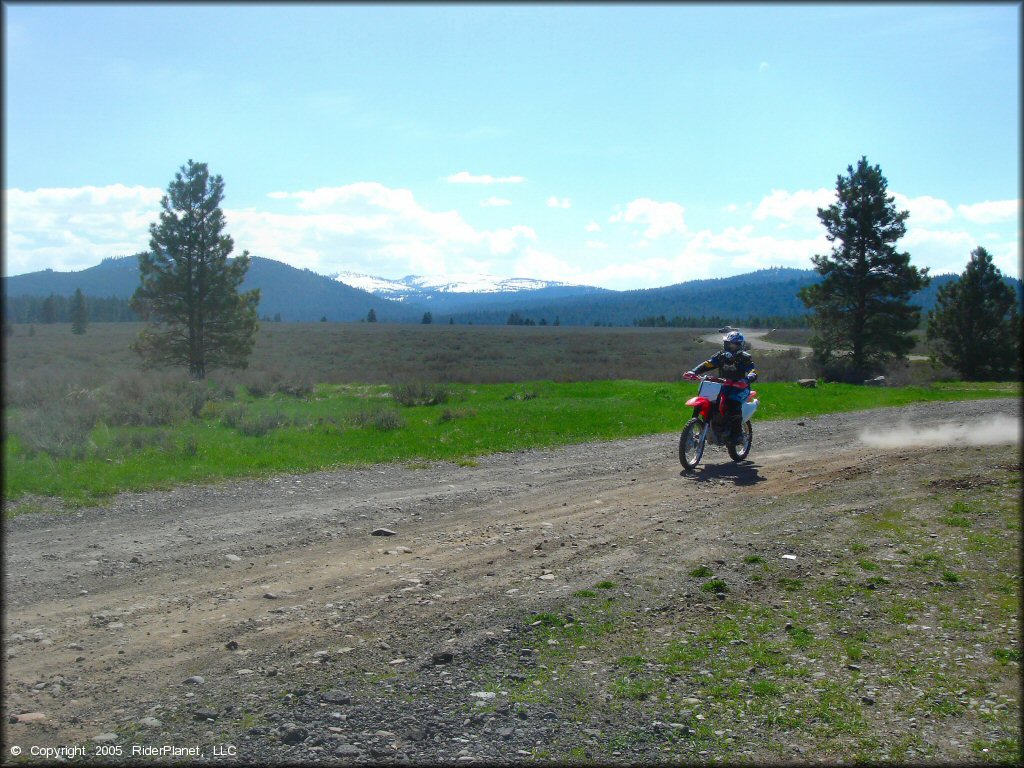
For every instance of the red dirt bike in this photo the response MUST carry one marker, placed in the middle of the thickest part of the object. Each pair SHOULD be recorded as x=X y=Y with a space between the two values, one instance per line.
x=710 y=422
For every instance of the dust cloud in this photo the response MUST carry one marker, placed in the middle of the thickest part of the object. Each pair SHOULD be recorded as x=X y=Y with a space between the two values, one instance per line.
x=992 y=430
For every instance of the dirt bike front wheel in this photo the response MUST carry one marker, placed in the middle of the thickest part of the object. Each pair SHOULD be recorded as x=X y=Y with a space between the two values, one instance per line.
x=691 y=448
x=739 y=450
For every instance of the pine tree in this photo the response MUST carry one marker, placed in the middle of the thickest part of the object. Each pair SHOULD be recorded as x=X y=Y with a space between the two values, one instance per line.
x=79 y=313
x=188 y=289
x=48 y=313
x=860 y=311
x=371 y=316
x=975 y=327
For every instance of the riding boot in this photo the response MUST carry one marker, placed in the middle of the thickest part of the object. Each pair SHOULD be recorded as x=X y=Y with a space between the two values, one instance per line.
x=736 y=426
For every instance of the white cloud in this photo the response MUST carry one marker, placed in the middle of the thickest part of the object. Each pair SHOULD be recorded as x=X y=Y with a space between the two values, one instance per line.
x=939 y=250
x=708 y=253
x=1006 y=257
x=554 y=202
x=743 y=250
x=800 y=207
x=991 y=211
x=495 y=202
x=924 y=209
x=465 y=177
x=364 y=227
x=368 y=227
x=661 y=218
x=648 y=273
x=371 y=228
x=69 y=229
x=544 y=266
x=505 y=241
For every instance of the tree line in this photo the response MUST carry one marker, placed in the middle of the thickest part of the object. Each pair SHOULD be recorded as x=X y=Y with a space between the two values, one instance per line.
x=58 y=309
x=708 y=321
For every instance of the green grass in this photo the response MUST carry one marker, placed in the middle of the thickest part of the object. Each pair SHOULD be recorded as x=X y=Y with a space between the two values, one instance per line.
x=359 y=425
x=715 y=585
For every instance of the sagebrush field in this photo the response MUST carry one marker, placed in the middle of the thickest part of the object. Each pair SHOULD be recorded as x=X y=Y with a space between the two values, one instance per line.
x=83 y=420
x=379 y=353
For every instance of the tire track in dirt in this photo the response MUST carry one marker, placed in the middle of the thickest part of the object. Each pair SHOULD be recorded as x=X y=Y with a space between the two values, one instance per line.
x=471 y=547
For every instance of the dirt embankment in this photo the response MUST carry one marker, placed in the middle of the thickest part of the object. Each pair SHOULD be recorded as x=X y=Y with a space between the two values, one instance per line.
x=540 y=604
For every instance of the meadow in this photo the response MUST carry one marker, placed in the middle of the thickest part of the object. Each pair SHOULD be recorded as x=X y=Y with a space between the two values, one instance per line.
x=384 y=353
x=83 y=420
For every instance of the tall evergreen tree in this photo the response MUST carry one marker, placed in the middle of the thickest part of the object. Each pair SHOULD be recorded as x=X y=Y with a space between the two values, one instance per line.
x=79 y=312
x=860 y=311
x=188 y=289
x=975 y=327
x=48 y=313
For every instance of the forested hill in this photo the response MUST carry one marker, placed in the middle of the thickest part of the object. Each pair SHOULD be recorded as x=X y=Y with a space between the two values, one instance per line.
x=765 y=297
x=767 y=293
x=293 y=294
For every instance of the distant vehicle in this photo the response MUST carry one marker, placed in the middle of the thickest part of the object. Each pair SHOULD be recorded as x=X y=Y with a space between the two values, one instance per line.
x=727 y=329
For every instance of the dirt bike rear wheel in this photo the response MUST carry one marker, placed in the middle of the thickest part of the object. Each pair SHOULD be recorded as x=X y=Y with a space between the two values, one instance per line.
x=739 y=450
x=690 y=447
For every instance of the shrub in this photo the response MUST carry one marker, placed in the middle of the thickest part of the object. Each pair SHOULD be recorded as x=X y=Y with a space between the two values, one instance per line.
x=34 y=390
x=133 y=441
x=252 y=423
x=296 y=388
x=715 y=585
x=61 y=430
x=783 y=366
x=384 y=419
x=522 y=394
x=420 y=394
x=262 y=383
x=257 y=424
x=198 y=397
x=153 y=400
x=451 y=414
x=388 y=419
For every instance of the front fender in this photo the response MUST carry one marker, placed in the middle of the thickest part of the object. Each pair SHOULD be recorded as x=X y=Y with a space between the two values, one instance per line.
x=700 y=405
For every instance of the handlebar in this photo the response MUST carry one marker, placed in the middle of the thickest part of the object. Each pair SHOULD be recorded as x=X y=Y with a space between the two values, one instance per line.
x=742 y=383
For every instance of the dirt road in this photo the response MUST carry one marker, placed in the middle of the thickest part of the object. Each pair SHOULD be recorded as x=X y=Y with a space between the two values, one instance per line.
x=276 y=619
x=756 y=339
x=757 y=342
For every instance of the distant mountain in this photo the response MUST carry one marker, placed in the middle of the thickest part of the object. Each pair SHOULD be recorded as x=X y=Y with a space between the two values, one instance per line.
x=765 y=293
x=117 y=276
x=769 y=294
x=446 y=293
x=300 y=295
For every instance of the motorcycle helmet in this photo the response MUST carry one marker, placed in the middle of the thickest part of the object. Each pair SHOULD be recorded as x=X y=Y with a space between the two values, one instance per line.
x=733 y=341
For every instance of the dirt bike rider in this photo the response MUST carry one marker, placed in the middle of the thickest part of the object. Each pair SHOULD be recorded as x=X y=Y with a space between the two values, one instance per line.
x=737 y=365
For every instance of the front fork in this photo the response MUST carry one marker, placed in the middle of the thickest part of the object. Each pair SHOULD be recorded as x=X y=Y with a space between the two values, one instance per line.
x=706 y=422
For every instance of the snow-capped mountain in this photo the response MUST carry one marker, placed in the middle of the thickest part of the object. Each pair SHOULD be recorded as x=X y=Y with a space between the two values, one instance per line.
x=426 y=286
x=387 y=289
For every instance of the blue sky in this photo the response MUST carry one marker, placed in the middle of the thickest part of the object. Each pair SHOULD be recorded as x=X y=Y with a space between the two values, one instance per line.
x=626 y=146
